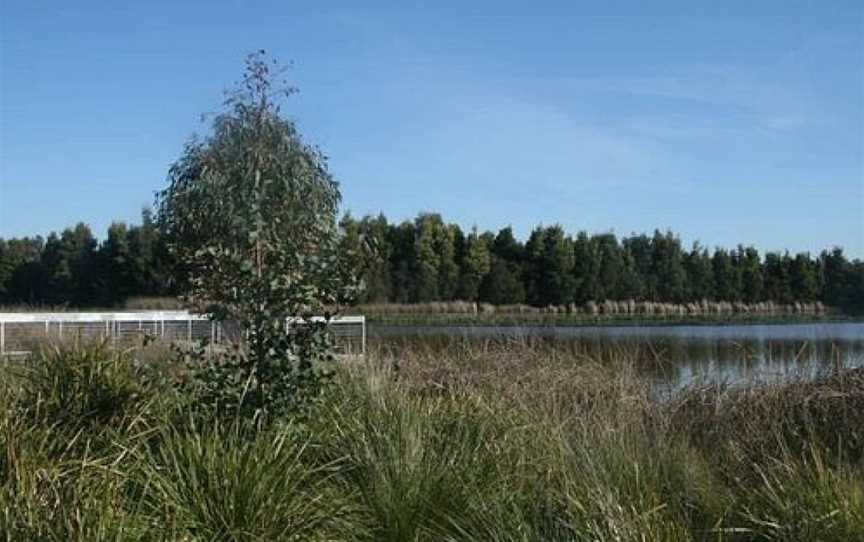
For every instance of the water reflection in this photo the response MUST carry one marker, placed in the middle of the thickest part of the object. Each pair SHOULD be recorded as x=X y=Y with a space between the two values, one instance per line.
x=736 y=361
x=675 y=356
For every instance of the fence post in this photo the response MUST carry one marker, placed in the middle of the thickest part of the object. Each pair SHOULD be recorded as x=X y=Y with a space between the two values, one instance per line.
x=2 y=338
x=190 y=330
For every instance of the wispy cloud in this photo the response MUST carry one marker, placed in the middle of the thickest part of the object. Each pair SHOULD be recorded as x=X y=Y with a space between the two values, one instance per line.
x=757 y=100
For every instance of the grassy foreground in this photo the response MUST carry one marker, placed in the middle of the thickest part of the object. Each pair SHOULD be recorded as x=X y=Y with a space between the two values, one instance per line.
x=491 y=440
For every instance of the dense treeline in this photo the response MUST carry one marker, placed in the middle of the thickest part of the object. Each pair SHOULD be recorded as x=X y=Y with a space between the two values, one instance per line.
x=428 y=259
x=74 y=269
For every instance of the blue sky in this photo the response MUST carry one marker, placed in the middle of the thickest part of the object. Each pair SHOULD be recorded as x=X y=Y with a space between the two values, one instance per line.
x=727 y=122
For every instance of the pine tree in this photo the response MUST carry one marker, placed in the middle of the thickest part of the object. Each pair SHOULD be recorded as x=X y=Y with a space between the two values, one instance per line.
x=726 y=281
x=778 y=285
x=378 y=276
x=700 y=274
x=427 y=259
x=667 y=267
x=116 y=266
x=803 y=278
x=586 y=269
x=750 y=271
x=503 y=284
x=475 y=266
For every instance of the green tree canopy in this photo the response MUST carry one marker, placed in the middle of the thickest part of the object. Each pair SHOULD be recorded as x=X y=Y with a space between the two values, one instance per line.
x=475 y=266
x=251 y=209
x=250 y=212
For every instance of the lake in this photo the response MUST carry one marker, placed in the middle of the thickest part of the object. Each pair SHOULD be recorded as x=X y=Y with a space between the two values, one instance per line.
x=679 y=355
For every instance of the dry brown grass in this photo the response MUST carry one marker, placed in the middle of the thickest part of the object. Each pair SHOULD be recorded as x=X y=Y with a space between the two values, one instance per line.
x=608 y=307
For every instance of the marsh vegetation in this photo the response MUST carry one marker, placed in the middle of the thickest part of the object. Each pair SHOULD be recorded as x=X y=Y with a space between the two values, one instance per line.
x=468 y=440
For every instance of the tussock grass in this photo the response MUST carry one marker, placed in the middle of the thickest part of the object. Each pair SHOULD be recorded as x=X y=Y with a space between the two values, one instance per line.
x=225 y=483
x=509 y=440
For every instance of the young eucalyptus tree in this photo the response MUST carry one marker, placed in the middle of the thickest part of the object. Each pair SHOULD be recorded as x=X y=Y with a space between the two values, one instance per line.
x=250 y=215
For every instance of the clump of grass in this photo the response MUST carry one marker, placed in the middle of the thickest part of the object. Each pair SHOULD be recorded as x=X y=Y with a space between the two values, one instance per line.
x=802 y=498
x=69 y=414
x=744 y=427
x=77 y=383
x=225 y=483
x=72 y=497
x=417 y=465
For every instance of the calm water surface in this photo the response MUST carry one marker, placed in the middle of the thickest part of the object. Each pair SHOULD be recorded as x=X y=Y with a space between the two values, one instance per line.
x=697 y=353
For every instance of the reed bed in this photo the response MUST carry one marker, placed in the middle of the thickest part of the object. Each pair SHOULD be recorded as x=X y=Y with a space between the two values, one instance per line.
x=608 y=312
x=608 y=307
x=503 y=440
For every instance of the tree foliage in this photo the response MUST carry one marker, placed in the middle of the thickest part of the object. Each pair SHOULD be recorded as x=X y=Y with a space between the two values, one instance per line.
x=476 y=264
x=250 y=215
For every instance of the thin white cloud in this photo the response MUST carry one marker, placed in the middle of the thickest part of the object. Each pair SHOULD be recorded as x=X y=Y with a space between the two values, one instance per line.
x=763 y=101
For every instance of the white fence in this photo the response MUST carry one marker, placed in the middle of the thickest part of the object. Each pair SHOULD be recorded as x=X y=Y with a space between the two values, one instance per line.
x=21 y=331
x=348 y=332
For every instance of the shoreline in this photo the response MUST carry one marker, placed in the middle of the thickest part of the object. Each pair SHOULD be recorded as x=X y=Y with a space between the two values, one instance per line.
x=566 y=321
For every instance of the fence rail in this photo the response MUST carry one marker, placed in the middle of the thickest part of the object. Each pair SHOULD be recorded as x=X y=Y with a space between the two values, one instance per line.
x=20 y=332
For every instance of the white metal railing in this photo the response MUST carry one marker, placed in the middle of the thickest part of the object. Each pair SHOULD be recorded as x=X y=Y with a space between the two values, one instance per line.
x=20 y=331
x=349 y=332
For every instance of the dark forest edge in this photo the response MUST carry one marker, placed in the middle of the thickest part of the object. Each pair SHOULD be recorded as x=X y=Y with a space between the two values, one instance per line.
x=418 y=271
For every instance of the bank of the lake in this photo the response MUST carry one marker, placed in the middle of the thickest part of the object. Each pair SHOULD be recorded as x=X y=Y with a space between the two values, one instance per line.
x=670 y=356
x=581 y=320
